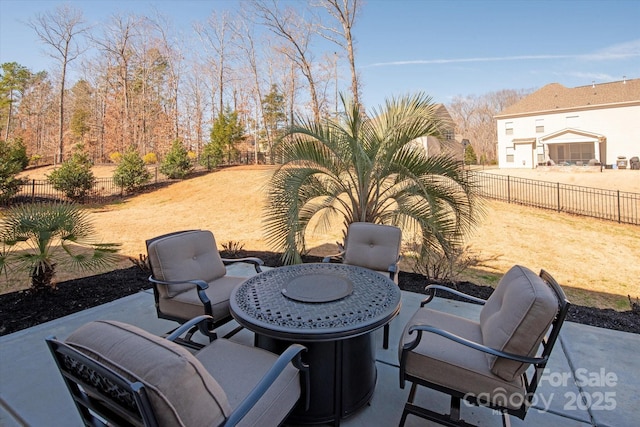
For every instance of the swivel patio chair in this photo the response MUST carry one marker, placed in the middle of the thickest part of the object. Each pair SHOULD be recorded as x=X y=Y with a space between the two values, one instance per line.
x=372 y=246
x=190 y=278
x=118 y=374
x=497 y=361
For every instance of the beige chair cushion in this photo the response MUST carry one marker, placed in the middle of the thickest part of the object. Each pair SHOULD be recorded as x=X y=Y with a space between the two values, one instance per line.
x=185 y=256
x=449 y=364
x=516 y=318
x=372 y=246
x=180 y=389
x=222 y=358
x=187 y=304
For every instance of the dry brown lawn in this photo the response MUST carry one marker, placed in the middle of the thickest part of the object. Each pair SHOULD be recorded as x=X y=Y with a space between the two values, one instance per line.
x=597 y=262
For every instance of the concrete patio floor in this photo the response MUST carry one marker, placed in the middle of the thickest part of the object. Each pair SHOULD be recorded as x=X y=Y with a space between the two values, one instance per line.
x=592 y=380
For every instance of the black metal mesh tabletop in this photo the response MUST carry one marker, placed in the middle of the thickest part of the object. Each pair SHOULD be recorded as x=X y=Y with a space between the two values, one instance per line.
x=325 y=302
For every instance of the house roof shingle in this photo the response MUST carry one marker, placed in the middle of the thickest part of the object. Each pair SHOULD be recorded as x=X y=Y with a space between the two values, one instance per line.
x=554 y=97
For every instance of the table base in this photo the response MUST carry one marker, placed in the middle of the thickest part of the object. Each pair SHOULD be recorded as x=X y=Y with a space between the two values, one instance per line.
x=342 y=375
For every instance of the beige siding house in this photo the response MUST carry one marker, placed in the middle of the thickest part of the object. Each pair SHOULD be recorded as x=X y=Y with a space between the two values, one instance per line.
x=593 y=124
x=448 y=144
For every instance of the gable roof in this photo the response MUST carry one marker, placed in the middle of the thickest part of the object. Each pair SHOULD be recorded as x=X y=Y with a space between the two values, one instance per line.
x=572 y=133
x=555 y=97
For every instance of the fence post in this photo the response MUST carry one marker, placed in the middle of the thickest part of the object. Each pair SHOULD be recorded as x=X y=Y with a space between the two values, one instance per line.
x=33 y=190
x=619 y=207
x=558 y=192
x=509 y=188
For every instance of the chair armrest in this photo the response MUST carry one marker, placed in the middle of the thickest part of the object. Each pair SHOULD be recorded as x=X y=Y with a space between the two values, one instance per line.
x=200 y=321
x=200 y=284
x=419 y=328
x=431 y=292
x=293 y=355
x=257 y=262
x=337 y=257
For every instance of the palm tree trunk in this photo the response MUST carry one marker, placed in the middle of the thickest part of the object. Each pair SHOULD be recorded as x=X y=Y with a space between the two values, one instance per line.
x=42 y=278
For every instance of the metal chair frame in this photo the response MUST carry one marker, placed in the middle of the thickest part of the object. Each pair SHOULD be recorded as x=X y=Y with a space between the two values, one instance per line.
x=531 y=379
x=104 y=397
x=392 y=269
x=208 y=328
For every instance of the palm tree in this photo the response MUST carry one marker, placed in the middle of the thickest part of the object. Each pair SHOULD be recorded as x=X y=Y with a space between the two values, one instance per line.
x=357 y=168
x=38 y=238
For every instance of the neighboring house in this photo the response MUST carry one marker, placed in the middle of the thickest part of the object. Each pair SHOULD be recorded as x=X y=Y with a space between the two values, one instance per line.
x=592 y=124
x=447 y=144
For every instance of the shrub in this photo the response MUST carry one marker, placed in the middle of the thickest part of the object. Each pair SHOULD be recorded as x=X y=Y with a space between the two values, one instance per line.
x=131 y=173
x=470 y=155
x=176 y=164
x=35 y=159
x=150 y=159
x=10 y=167
x=232 y=248
x=17 y=152
x=211 y=155
x=635 y=306
x=115 y=157
x=435 y=264
x=74 y=177
x=41 y=237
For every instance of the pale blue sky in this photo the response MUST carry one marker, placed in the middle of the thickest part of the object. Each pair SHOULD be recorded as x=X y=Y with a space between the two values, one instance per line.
x=443 y=48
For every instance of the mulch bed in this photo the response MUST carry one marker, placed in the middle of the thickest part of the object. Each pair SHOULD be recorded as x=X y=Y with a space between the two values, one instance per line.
x=21 y=310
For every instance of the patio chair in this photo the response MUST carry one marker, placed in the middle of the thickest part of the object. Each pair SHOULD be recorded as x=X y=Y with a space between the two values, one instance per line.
x=190 y=278
x=496 y=361
x=373 y=246
x=118 y=374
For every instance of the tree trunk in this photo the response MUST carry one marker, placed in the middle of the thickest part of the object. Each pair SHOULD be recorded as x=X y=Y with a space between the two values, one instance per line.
x=42 y=278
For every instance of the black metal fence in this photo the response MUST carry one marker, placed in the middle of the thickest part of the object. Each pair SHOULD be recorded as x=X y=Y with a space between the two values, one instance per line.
x=104 y=190
x=613 y=205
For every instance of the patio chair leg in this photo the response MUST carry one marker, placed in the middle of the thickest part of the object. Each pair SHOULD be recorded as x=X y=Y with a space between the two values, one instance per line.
x=385 y=338
x=405 y=412
x=455 y=409
x=233 y=332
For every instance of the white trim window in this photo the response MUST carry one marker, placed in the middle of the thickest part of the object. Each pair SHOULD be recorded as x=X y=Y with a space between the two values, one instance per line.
x=508 y=128
x=511 y=157
x=539 y=125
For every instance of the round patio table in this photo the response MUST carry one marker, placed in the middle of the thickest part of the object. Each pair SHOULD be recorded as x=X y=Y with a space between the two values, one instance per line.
x=332 y=310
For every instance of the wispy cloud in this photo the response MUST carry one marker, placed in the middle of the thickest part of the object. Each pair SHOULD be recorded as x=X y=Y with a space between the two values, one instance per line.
x=620 y=51
x=460 y=60
x=602 y=77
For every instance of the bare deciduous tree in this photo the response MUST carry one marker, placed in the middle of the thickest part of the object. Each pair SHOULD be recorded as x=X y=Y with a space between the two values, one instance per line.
x=217 y=36
x=174 y=58
x=117 y=43
x=36 y=116
x=473 y=116
x=60 y=30
x=195 y=106
x=344 y=12
x=246 y=39
x=297 y=33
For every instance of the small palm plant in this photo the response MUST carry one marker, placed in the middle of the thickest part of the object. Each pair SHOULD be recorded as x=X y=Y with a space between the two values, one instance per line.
x=39 y=238
x=357 y=168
